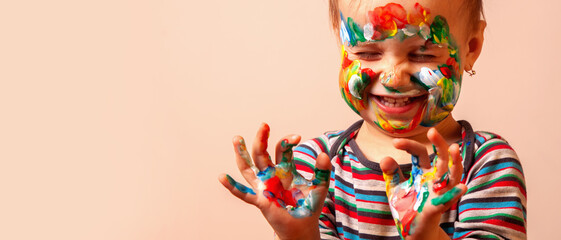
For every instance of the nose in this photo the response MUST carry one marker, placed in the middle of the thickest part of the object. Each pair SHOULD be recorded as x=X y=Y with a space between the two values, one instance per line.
x=394 y=75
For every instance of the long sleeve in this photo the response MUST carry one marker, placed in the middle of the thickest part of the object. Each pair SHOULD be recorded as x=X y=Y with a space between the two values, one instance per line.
x=494 y=206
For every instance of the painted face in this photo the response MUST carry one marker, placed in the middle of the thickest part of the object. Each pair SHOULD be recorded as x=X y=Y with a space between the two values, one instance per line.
x=401 y=68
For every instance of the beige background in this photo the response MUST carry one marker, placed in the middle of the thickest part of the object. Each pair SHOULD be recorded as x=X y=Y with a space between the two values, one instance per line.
x=117 y=116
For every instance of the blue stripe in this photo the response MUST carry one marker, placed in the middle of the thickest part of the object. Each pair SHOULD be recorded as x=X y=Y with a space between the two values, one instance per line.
x=353 y=157
x=347 y=234
x=489 y=205
x=479 y=138
x=499 y=166
x=348 y=190
x=306 y=150
x=371 y=198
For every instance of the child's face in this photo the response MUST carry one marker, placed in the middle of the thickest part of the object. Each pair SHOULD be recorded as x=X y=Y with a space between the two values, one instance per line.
x=402 y=61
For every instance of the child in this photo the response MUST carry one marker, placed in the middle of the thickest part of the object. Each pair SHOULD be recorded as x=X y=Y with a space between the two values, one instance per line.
x=402 y=67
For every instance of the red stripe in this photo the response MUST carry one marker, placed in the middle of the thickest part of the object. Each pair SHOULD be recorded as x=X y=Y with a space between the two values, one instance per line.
x=366 y=201
x=368 y=176
x=346 y=193
x=506 y=224
x=510 y=184
x=486 y=209
x=312 y=157
x=463 y=236
x=364 y=219
x=500 y=146
x=320 y=144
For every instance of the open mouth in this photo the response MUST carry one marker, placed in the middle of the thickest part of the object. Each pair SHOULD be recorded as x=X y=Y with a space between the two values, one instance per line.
x=398 y=104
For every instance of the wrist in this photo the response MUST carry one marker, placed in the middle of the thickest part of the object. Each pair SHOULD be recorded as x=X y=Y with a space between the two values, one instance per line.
x=312 y=235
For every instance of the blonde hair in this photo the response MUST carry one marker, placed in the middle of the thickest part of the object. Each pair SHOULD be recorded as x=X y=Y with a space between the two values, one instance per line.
x=475 y=13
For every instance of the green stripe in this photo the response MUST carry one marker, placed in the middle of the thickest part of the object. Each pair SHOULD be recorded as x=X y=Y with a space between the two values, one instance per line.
x=374 y=211
x=348 y=203
x=485 y=236
x=305 y=162
x=495 y=180
x=325 y=145
x=491 y=216
x=487 y=145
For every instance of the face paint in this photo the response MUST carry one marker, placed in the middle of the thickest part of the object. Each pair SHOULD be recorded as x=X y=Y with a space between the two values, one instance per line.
x=393 y=21
x=389 y=21
x=353 y=80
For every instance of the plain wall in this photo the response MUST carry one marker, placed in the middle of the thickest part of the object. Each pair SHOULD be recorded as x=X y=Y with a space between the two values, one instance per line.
x=117 y=116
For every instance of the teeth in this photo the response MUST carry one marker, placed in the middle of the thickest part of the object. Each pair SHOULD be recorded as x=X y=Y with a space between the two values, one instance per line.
x=395 y=102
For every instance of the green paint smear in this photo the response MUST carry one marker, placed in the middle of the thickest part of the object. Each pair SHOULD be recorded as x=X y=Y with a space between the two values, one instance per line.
x=357 y=32
x=322 y=175
x=447 y=197
x=439 y=30
x=424 y=199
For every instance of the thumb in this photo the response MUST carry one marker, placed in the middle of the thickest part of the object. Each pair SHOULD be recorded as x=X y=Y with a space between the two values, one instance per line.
x=322 y=172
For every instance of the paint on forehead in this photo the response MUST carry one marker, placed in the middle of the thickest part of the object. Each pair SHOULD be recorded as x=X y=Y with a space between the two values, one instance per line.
x=385 y=22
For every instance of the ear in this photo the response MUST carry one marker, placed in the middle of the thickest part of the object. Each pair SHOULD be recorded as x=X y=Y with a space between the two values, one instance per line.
x=475 y=44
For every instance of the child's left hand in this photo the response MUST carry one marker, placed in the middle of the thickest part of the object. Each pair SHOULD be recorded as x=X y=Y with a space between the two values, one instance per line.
x=418 y=203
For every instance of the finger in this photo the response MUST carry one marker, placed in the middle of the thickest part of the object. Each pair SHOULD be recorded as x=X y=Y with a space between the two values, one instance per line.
x=237 y=189
x=243 y=160
x=443 y=158
x=284 y=148
x=414 y=148
x=259 y=152
x=391 y=172
x=322 y=172
x=445 y=201
x=314 y=201
x=456 y=167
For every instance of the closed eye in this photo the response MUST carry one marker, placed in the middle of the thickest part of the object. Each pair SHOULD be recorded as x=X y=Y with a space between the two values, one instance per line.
x=369 y=56
x=422 y=58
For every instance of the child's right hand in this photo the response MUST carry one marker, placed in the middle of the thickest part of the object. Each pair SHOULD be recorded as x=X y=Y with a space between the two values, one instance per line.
x=290 y=203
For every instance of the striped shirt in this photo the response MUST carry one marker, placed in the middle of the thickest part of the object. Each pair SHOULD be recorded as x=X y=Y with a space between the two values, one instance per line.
x=356 y=207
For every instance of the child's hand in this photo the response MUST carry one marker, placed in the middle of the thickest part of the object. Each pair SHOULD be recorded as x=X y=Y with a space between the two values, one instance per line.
x=417 y=204
x=290 y=203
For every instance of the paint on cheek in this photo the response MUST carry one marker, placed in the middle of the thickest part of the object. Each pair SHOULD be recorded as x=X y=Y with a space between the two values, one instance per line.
x=353 y=81
x=392 y=21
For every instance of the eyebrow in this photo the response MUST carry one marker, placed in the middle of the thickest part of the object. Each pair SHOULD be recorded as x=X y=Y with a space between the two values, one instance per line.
x=366 y=44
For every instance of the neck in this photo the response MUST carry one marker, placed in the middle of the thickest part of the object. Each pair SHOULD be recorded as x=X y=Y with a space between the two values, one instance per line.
x=376 y=143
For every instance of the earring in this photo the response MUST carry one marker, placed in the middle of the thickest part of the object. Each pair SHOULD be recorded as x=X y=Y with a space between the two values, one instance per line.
x=471 y=72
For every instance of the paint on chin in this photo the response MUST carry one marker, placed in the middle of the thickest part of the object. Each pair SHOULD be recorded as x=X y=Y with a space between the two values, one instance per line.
x=397 y=126
x=392 y=21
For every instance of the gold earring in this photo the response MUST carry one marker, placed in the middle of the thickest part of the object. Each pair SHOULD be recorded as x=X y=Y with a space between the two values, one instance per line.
x=471 y=72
